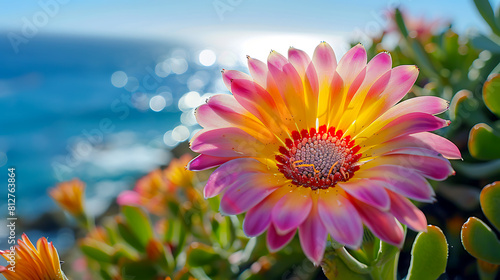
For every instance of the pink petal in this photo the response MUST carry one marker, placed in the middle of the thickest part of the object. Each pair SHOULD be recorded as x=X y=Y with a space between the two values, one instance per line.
x=401 y=180
x=428 y=162
x=382 y=224
x=419 y=140
x=226 y=142
x=351 y=64
x=275 y=241
x=128 y=198
x=341 y=219
x=204 y=162
x=292 y=209
x=299 y=59
x=257 y=101
x=407 y=213
x=228 y=173
x=437 y=143
x=223 y=114
x=426 y=104
x=378 y=66
x=324 y=61
x=258 y=218
x=404 y=125
x=402 y=79
x=313 y=236
x=207 y=118
x=229 y=75
x=368 y=191
x=258 y=70
x=246 y=192
x=226 y=102
x=356 y=84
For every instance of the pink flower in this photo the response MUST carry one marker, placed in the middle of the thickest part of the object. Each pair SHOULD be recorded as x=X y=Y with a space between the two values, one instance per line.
x=322 y=147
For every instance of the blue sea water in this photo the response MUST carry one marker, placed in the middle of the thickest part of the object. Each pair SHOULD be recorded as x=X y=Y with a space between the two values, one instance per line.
x=62 y=117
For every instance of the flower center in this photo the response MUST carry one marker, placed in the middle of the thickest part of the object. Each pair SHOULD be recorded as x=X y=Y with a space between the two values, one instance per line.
x=318 y=159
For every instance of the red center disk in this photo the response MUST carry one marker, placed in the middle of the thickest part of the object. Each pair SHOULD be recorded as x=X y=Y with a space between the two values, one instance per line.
x=318 y=159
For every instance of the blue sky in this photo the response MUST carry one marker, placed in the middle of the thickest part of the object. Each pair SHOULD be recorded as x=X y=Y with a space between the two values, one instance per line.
x=167 y=17
x=222 y=22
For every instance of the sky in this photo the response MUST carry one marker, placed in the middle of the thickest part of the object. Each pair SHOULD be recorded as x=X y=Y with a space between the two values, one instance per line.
x=225 y=22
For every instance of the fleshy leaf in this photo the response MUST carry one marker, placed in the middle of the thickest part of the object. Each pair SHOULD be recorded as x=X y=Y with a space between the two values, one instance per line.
x=486 y=11
x=490 y=203
x=486 y=270
x=138 y=222
x=429 y=255
x=98 y=251
x=199 y=254
x=334 y=268
x=483 y=143
x=458 y=100
x=480 y=241
x=491 y=94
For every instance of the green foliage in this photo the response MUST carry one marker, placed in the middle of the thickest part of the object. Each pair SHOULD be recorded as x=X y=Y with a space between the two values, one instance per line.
x=429 y=255
x=480 y=241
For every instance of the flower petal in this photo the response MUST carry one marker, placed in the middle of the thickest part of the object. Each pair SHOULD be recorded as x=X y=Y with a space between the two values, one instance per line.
x=292 y=209
x=258 y=70
x=425 y=140
x=276 y=241
x=229 y=75
x=313 y=234
x=351 y=64
x=247 y=191
x=371 y=192
x=204 y=162
x=227 y=142
x=258 y=218
x=299 y=59
x=428 y=162
x=207 y=118
x=261 y=104
x=128 y=198
x=407 y=213
x=382 y=224
x=340 y=219
x=400 y=180
x=404 y=125
x=228 y=173
x=290 y=87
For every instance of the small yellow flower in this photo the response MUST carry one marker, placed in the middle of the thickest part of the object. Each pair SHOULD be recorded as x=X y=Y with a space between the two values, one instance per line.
x=153 y=191
x=70 y=196
x=177 y=173
x=29 y=262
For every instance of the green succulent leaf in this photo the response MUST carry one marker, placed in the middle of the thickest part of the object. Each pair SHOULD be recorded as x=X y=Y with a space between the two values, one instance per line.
x=490 y=203
x=98 y=251
x=486 y=270
x=138 y=221
x=139 y=270
x=491 y=94
x=486 y=11
x=128 y=236
x=483 y=143
x=334 y=268
x=482 y=42
x=480 y=241
x=199 y=254
x=429 y=255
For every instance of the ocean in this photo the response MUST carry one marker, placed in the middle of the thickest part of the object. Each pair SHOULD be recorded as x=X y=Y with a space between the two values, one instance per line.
x=104 y=110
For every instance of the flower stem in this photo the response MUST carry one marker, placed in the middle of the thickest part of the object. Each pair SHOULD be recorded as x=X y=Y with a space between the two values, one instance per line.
x=352 y=263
